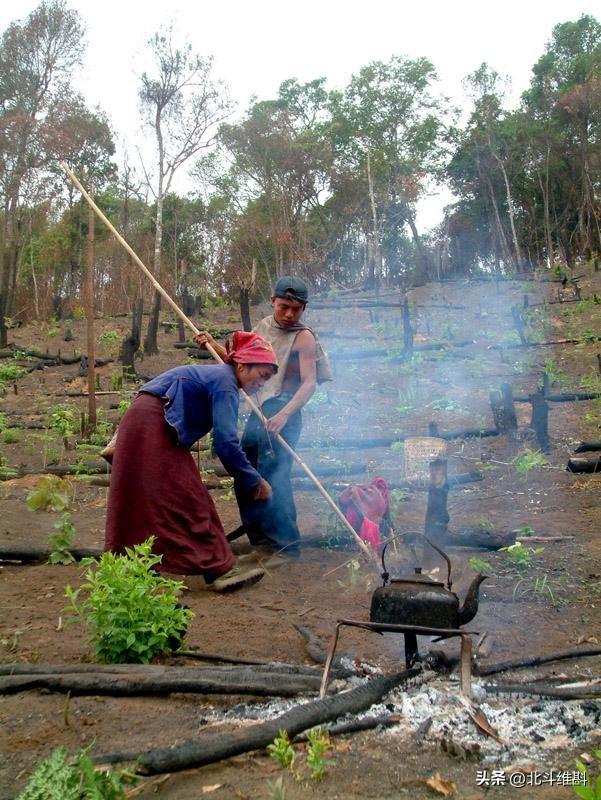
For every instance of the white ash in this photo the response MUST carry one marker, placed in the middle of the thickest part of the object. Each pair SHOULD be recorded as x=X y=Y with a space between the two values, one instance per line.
x=526 y=726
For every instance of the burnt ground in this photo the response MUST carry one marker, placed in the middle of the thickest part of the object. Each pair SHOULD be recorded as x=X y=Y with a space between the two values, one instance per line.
x=552 y=604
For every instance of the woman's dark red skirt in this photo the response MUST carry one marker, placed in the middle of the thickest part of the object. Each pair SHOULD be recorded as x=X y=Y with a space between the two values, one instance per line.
x=156 y=490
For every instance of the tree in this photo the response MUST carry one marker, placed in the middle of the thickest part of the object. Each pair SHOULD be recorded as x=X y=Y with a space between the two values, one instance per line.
x=182 y=105
x=36 y=57
x=386 y=133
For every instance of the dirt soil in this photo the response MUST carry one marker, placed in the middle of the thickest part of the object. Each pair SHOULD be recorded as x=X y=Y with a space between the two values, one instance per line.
x=552 y=604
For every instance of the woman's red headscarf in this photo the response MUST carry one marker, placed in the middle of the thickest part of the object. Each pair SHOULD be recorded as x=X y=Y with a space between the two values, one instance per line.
x=250 y=348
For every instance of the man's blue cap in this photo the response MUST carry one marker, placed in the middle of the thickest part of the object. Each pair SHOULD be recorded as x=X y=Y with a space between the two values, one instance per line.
x=291 y=288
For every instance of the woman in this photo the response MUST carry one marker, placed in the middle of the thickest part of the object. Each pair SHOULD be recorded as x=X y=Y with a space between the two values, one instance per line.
x=156 y=488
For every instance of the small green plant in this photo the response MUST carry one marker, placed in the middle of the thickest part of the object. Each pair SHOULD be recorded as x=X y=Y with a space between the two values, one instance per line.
x=78 y=313
x=123 y=406
x=10 y=436
x=227 y=484
x=520 y=556
x=539 y=587
x=282 y=751
x=50 y=494
x=116 y=381
x=276 y=789
x=407 y=402
x=109 y=338
x=521 y=533
x=4 y=422
x=480 y=565
x=319 y=744
x=64 y=420
x=528 y=460
x=397 y=447
x=445 y=405
x=59 y=777
x=61 y=542
x=590 y=790
x=10 y=373
x=353 y=569
x=131 y=610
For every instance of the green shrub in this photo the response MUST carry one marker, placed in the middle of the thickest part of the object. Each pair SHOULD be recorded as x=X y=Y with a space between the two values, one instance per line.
x=64 y=420
x=50 y=494
x=132 y=611
x=282 y=751
x=10 y=436
x=61 y=542
x=61 y=778
x=9 y=373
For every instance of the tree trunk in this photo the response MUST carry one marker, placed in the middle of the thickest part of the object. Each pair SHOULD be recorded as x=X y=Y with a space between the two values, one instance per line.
x=150 y=342
x=131 y=344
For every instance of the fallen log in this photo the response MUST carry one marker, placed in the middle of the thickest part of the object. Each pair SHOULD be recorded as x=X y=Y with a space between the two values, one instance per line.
x=20 y=668
x=584 y=464
x=517 y=346
x=245 y=681
x=481 y=538
x=481 y=670
x=356 y=725
x=588 y=447
x=62 y=470
x=564 y=397
x=386 y=441
x=216 y=746
x=302 y=484
x=28 y=554
x=322 y=470
x=315 y=648
x=542 y=690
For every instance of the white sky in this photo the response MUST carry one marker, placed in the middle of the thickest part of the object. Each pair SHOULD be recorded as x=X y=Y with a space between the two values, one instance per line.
x=259 y=43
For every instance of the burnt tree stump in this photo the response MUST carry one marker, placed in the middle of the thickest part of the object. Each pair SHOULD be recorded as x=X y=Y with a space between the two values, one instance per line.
x=407 y=329
x=519 y=324
x=503 y=410
x=539 y=421
x=131 y=344
x=437 y=516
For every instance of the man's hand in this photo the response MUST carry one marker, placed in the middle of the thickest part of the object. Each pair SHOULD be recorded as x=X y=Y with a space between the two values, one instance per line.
x=277 y=422
x=204 y=338
x=262 y=491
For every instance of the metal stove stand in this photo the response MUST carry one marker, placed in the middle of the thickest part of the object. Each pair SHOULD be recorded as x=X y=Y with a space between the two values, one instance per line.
x=411 y=633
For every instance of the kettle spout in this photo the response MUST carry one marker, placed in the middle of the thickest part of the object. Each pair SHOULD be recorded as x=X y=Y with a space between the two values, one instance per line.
x=469 y=609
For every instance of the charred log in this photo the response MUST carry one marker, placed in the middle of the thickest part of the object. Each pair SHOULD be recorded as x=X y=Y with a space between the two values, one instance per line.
x=584 y=465
x=228 y=680
x=502 y=666
x=217 y=746
x=588 y=447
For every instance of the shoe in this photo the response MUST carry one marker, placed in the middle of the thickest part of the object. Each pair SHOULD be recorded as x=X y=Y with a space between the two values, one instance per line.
x=260 y=552
x=237 y=578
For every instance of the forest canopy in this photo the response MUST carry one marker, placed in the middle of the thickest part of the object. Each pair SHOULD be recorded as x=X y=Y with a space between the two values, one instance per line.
x=320 y=181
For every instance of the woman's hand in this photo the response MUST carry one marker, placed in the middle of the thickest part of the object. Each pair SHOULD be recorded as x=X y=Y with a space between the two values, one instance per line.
x=204 y=338
x=276 y=423
x=262 y=491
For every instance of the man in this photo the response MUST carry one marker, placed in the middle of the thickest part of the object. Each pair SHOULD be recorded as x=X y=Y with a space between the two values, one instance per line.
x=271 y=525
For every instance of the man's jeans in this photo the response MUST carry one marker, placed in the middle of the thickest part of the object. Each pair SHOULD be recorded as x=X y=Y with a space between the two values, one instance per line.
x=271 y=522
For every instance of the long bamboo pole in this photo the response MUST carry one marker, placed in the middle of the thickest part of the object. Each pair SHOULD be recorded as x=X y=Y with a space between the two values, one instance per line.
x=371 y=555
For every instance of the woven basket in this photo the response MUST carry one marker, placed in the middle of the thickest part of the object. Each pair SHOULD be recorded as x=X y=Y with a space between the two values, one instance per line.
x=419 y=452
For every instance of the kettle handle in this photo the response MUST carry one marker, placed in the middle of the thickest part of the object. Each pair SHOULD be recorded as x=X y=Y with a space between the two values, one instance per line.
x=385 y=573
